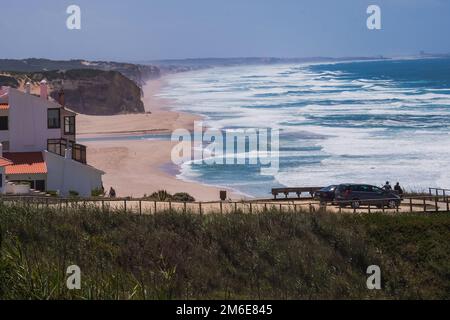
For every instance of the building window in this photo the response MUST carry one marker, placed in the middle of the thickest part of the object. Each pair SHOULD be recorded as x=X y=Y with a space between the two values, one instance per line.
x=4 y=124
x=54 y=118
x=69 y=125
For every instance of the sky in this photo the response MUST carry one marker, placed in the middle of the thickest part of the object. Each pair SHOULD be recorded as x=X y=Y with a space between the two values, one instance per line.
x=142 y=30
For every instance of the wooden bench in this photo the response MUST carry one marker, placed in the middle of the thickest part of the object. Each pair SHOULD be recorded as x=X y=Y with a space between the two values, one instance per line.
x=297 y=191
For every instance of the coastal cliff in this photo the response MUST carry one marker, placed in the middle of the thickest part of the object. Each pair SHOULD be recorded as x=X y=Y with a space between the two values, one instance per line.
x=92 y=88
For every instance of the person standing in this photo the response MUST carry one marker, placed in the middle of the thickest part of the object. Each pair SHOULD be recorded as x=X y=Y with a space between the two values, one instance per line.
x=398 y=189
x=387 y=186
x=112 y=193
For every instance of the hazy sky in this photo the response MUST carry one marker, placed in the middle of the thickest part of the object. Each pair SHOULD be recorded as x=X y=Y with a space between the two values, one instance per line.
x=135 y=30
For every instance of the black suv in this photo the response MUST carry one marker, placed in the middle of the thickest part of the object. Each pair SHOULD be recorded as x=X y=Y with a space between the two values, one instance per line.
x=363 y=194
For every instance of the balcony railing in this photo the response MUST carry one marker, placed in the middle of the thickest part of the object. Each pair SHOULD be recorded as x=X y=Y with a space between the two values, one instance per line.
x=59 y=147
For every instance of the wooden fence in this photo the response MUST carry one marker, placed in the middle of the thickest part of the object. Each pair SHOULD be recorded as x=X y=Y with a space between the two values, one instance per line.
x=414 y=204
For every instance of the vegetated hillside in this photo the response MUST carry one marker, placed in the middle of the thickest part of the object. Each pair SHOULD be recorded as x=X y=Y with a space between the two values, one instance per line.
x=136 y=72
x=9 y=81
x=87 y=91
x=237 y=256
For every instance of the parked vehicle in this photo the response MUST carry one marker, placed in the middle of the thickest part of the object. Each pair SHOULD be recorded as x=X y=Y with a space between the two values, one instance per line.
x=326 y=194
x=363 y=194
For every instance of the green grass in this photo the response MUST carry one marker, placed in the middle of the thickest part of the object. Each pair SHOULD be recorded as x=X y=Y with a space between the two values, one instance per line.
x=271 y=255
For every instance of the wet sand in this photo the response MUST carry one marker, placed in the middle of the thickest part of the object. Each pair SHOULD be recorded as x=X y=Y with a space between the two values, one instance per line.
x=140 y=167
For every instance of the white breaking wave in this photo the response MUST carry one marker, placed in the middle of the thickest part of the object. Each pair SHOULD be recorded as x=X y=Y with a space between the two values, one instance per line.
x=365 y=130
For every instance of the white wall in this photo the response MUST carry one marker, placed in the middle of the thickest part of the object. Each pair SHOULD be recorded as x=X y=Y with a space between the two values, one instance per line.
x=17 y=189
x=28 y=130
x=65 y=174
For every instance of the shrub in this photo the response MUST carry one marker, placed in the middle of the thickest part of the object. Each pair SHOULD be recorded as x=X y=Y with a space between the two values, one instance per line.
x=269 y=255
x=52 y=193
x=183 y=197
x=161 y=195
x=97 y=193
x=73 y=193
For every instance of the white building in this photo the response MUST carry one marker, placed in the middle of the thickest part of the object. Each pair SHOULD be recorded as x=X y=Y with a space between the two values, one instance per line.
x=38 y=144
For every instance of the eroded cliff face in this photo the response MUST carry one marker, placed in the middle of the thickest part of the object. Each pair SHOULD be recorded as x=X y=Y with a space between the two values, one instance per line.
x=90 y=87
x=99 y=93
x=87 y=91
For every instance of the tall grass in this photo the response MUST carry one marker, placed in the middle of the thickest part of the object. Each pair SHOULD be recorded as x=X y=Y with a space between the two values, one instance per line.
x=271 y=255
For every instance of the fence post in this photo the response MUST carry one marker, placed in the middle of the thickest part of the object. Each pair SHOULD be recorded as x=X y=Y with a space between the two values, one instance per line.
x=369 y=209
x=410 y=205
x=200 y=207
x=170 y=205
x=251 y=209
x=140 y=207
x=125 y=205
x=436 y=204
x=221 y=207
x=448 y=208
x=155 y=206
x=185 y=207
x=424 y=205
x=235 y=207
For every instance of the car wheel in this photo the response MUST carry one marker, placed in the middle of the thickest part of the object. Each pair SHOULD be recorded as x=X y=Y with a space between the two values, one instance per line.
x=356 y=204
x=392 y=204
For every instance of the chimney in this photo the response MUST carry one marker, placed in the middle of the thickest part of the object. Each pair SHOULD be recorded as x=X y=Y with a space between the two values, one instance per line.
x=44 y=90
x=28 y=87
x=61 y=98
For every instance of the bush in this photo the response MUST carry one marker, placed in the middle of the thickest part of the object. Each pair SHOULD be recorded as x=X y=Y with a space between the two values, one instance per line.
x=163 y=195
x=270 y=255
x=97 y=193
x=73 y=193
x=52 y=193
x=183 y=197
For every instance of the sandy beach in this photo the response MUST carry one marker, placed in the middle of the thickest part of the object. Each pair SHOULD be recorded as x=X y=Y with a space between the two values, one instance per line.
x=138 y=167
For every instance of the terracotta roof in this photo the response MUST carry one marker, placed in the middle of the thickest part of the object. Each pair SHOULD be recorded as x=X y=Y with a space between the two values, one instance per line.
x=25 y=163
x=5 y=162
x=4 y=106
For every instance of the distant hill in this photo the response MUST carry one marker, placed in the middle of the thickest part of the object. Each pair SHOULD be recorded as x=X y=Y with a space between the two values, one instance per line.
x=180 y=65
x=94 y=88
x=136 y=72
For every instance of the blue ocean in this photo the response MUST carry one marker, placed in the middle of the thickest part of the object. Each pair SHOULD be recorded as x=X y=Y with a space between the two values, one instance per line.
x=362 y=122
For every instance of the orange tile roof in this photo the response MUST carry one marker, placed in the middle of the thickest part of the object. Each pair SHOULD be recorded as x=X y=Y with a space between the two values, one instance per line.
x=25 y=163
x=5 y=162
x=4 y=106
